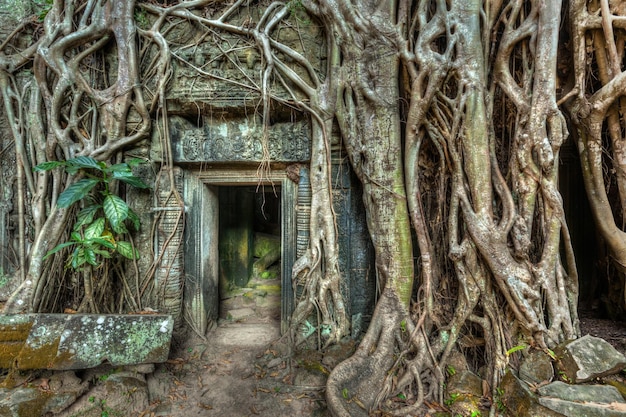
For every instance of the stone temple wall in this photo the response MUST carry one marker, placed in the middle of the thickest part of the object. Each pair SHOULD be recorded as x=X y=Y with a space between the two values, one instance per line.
x=217 y=137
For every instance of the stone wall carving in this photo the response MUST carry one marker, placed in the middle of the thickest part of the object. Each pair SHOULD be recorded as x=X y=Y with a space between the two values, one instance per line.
x=238 y=140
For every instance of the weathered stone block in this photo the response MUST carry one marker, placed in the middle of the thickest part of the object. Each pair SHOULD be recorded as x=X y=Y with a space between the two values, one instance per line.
x=582 y=393
x=519 y=400
x=587 y=358
x=79 y=341
x=62 y=390
x=536 y=368
x=577 y=409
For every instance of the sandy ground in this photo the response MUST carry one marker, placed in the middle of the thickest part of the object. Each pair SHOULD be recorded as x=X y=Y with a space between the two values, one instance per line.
x=243 y=368
x=236 y=372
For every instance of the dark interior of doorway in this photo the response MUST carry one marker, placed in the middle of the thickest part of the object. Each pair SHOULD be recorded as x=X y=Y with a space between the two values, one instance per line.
x=250 y=253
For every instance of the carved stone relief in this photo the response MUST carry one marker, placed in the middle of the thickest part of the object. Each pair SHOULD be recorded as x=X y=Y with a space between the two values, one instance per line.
x=238 y=141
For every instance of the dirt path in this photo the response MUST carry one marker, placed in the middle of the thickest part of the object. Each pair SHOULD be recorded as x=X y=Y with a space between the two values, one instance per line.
x=239 y=370
x=234 y=373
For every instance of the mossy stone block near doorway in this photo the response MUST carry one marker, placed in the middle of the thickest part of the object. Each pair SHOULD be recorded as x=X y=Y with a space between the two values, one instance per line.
x=80 y=341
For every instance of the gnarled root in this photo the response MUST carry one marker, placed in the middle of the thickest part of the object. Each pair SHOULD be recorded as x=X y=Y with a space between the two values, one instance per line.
x=354 y=385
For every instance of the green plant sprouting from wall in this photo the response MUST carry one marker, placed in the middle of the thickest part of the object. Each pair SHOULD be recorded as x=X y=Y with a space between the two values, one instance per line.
x=101 y=223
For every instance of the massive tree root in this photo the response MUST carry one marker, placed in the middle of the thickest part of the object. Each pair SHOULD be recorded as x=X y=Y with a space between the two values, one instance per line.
x=454 y=97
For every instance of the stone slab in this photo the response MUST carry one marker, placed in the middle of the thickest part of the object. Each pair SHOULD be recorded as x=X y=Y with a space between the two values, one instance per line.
x=520 y=400
x=536 y=368
x=588 y=357
x=579 y=409
x=582 y=393
x=80 y=341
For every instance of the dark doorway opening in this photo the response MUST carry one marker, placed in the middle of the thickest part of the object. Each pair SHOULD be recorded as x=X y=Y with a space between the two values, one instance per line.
x=250 y=250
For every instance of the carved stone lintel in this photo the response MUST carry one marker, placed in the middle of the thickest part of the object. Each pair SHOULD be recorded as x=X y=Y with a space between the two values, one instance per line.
x=239 y=141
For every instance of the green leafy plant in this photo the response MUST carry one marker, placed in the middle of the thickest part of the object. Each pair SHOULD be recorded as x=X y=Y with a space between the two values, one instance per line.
x=298 y=11
x=515 y=349
x=499 y=402
x=43 y=7
x=453 y=397
x=102 y=221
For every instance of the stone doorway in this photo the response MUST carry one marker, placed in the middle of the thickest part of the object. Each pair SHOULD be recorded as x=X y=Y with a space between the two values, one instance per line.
x=249 y=246
x=224 y=202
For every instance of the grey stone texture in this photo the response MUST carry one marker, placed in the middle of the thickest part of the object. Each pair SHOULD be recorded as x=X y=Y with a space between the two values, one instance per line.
x=587 y=358
x=81 y=341
x=536 y=368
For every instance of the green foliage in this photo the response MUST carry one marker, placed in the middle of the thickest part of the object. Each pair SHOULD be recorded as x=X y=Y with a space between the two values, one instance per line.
x=344 y=393
x=499 y=403
x=141 y=18
x=102 y=221
x=515 y=349
x=298 y=12
x=453 y=397
x=43 y=7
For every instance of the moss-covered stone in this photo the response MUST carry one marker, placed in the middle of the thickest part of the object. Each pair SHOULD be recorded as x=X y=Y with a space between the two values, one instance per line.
x=62 y=341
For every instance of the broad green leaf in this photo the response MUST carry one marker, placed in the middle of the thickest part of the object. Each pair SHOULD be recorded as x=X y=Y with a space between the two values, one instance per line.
x=515 y=349
x=135 y=162
x=120 y=229
x=90 y=256
x=47 y=166
x=76 y=237
x=76 y=191
x=126 y=250
x=115 y=210
x=132 y=216
x=78 y=258
x=103 y=242
x=83 y=162
x=103 y=253
x=58 y=248
x=95 y=229
x=130 y=179
x=123 y=167
x=86 y=215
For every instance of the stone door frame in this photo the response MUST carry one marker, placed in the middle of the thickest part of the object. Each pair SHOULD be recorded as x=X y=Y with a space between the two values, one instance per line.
x=202 y=229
